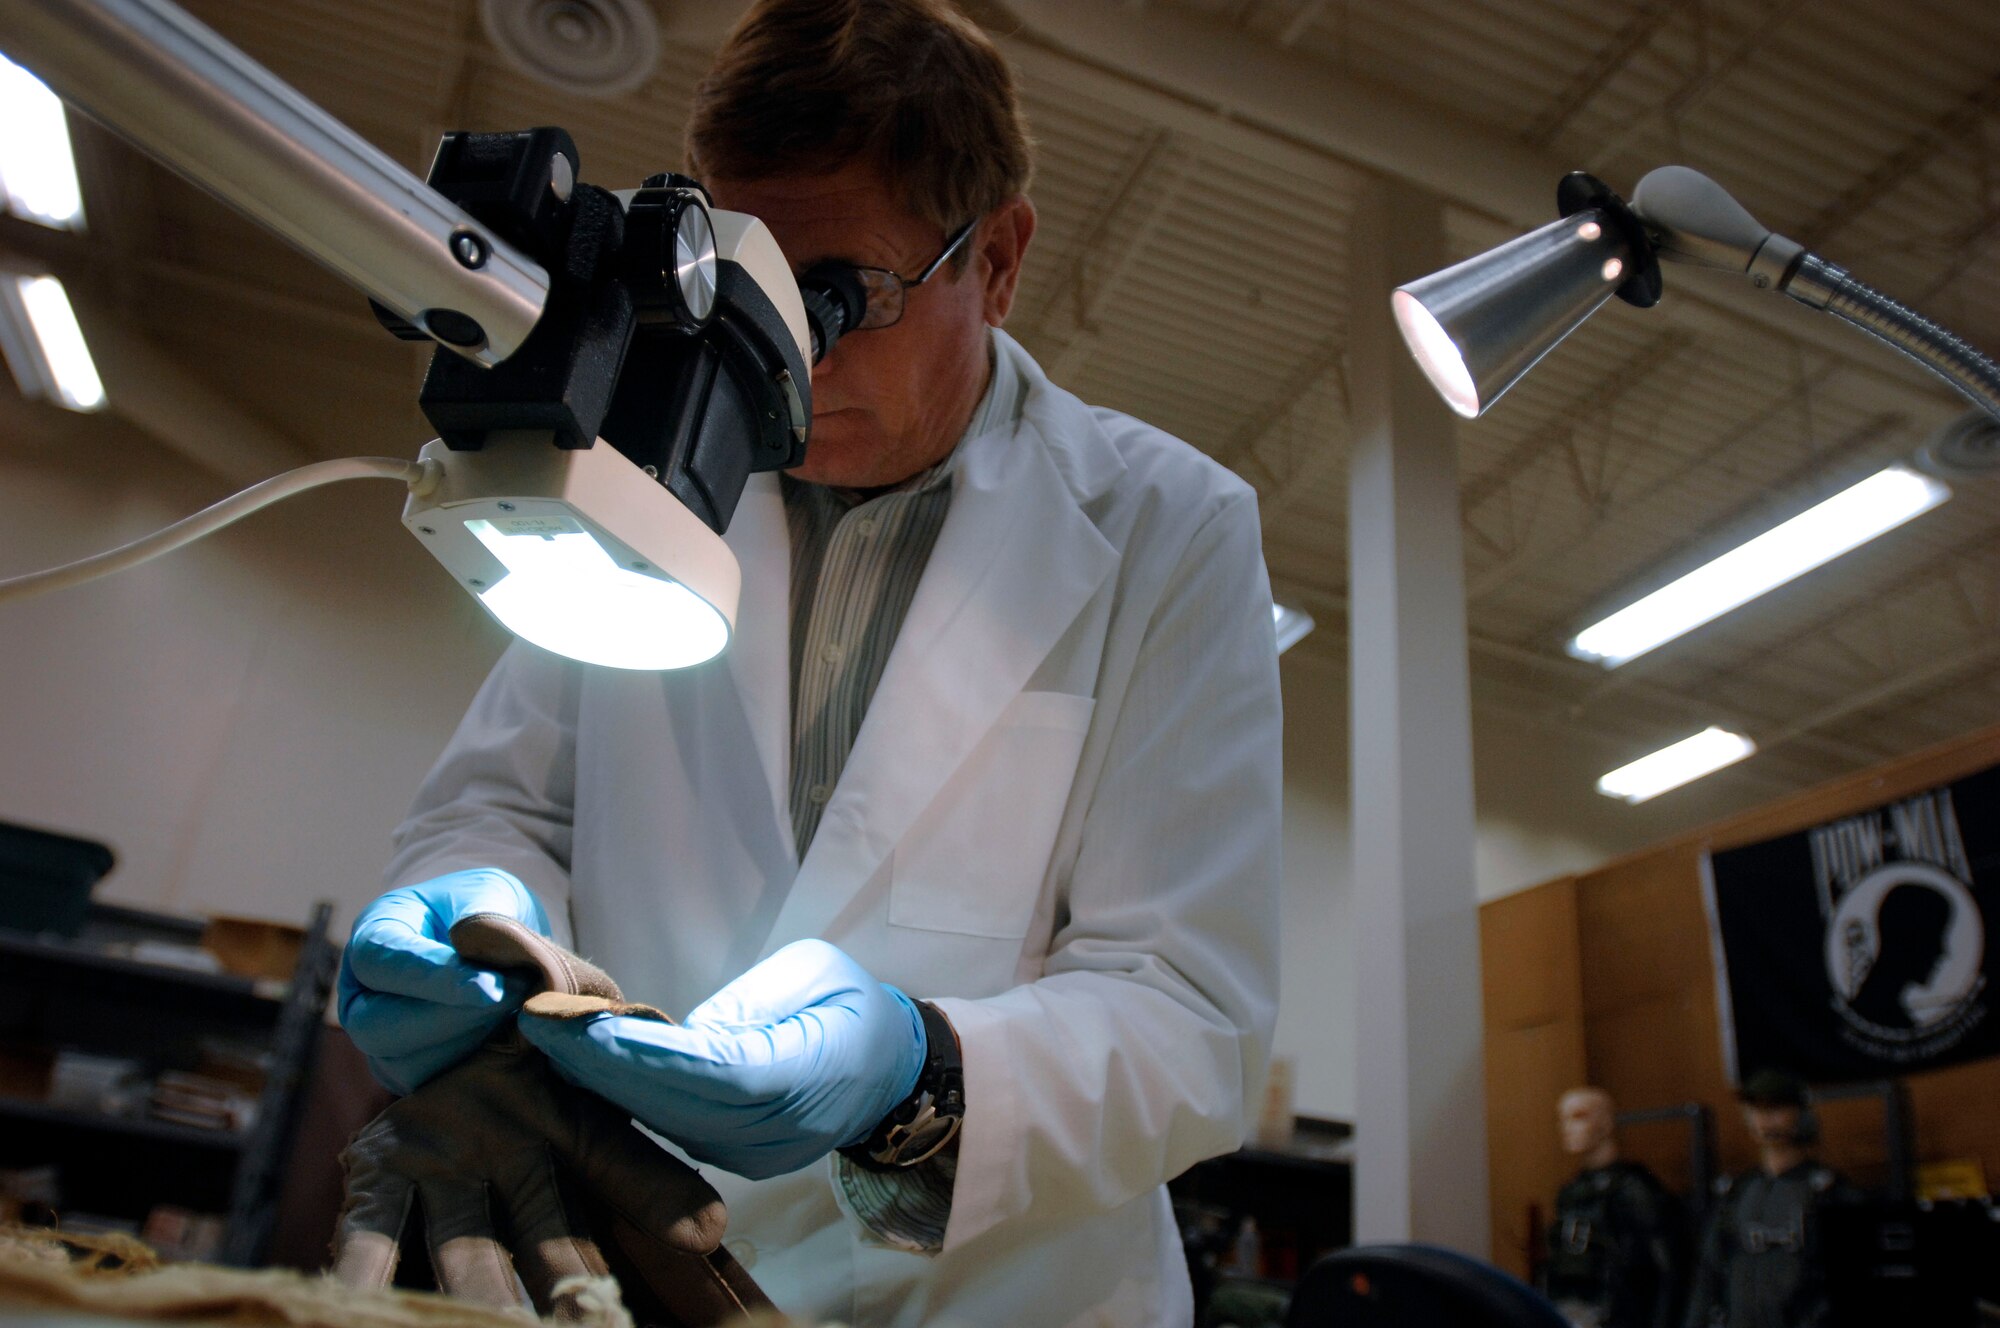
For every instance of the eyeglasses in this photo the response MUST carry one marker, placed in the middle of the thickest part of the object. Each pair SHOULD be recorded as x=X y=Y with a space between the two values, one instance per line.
x=887 y=291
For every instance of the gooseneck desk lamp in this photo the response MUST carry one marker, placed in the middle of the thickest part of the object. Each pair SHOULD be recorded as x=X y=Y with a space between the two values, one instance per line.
x=1477 y=327
x=610 y=368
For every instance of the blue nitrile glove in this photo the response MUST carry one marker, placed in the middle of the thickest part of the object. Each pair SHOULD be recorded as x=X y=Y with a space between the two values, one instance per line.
x=406 y=998
x=803 y=1054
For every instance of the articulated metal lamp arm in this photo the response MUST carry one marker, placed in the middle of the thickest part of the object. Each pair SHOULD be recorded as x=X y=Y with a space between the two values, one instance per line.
x=1822 y=285
x=188 y=98
x=1696 y=221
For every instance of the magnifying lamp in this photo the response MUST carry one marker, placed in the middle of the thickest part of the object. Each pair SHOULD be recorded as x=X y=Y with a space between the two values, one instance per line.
x=1475 y=328
x=584 y=505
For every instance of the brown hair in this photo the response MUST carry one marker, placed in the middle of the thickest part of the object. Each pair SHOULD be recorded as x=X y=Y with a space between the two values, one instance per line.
x=806 y=86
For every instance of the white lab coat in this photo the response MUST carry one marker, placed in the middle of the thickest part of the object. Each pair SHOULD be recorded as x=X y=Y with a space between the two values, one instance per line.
x=1059 y=821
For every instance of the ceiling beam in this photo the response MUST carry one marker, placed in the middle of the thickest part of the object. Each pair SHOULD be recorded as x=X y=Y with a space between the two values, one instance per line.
x=1709 y=76
x=1945 y=565
x=1948 y=128
x=1301 y=22
x=1132 y=245
x=1609 y=390
x=1924 y=677
x=1635 y=36
x=1207 y=63
x=1074 y=266
x=1327 y=357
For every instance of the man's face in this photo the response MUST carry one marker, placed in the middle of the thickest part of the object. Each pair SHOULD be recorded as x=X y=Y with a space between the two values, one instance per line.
x=1772 y=1123
x=1585 y=1119
x=889 y=402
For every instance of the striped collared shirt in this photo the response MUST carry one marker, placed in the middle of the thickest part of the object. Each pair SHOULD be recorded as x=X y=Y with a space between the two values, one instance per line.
x=856 y=561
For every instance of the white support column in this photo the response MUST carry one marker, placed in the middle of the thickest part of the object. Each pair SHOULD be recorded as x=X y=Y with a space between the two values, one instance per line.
x=1420 y=1128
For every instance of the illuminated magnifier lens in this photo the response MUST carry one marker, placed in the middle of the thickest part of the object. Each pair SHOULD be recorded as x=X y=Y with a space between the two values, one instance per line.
x=563 y=592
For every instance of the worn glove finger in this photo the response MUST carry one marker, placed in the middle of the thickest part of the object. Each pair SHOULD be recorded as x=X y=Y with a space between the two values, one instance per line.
x=548 y=1236
x=466 y=1252
x=661 y=1196
x=371 y=1225
x=699 y=1290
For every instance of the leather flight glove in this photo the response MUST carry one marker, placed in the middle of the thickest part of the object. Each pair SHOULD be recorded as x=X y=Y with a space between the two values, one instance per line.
x=411 y=1003
x=519 y=1182
x=803 y=1054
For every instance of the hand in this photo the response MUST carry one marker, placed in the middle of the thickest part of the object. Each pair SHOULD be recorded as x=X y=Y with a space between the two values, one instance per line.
x=803 y=1054
x=406 y=998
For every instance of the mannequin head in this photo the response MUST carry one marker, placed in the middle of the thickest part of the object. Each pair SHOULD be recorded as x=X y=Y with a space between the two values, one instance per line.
x=1586 y=1117
x=1777 y=1111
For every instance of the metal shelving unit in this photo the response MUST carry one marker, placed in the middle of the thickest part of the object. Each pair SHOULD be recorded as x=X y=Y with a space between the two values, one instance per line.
x=79 y=993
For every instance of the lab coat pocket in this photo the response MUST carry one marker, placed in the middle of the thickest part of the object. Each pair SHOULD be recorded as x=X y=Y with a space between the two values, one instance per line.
x=974 y=861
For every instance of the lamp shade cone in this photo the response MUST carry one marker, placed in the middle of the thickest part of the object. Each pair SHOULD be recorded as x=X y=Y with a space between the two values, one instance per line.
x=1477 y=326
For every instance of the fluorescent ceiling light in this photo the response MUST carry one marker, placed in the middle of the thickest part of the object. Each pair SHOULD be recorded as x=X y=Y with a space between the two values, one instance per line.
x=37 y=169
x=44 y=347
x=1817 y=535
x=1292 y=625
x=1670 y=767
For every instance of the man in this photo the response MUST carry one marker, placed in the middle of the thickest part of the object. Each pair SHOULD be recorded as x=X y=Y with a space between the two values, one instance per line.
x=1615 y=1248
x=1761 y=1264
x=998 y=730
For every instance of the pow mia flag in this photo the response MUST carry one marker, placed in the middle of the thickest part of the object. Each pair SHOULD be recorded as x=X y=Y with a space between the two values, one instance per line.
x=1859 y=949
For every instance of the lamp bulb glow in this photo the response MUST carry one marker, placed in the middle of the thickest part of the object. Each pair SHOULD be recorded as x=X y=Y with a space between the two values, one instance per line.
x=1436 y=354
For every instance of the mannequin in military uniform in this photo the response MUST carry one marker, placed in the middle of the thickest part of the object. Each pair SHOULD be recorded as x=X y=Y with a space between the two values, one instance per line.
x=1615 y=1248
x=1761 y=1265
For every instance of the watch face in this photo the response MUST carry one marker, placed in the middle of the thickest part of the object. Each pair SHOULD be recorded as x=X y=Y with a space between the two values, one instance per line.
x=918 y=1141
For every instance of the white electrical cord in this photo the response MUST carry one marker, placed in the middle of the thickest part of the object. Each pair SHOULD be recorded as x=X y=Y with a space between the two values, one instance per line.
x=421 y=477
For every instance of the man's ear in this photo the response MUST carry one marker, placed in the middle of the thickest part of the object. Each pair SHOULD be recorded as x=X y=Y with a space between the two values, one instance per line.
x=1003 y=241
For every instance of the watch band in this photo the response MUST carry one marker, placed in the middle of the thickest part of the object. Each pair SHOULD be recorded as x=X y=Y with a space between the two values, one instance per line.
x=928 y=1120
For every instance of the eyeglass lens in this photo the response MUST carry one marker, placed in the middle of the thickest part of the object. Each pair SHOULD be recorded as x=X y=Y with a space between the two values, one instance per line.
x=887 y=291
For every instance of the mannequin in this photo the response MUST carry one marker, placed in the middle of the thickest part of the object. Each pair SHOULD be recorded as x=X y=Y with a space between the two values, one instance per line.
x=1615 y=1246
x=1761 y=1264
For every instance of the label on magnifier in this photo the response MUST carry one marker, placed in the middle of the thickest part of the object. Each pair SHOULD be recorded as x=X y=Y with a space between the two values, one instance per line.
x=545 y=526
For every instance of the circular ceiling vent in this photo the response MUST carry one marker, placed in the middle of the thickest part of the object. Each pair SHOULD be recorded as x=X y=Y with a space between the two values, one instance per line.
x=1966 y=449
x=593 y=48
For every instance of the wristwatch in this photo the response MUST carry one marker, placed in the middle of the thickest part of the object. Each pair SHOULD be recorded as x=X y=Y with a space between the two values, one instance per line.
x=927 y=1121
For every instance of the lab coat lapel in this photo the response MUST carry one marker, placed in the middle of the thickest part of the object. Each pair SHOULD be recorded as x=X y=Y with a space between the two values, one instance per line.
x=760 y=653
x=1015 y=563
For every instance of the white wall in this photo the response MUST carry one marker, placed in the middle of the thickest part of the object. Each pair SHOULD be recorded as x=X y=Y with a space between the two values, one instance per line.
x=243 y=721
